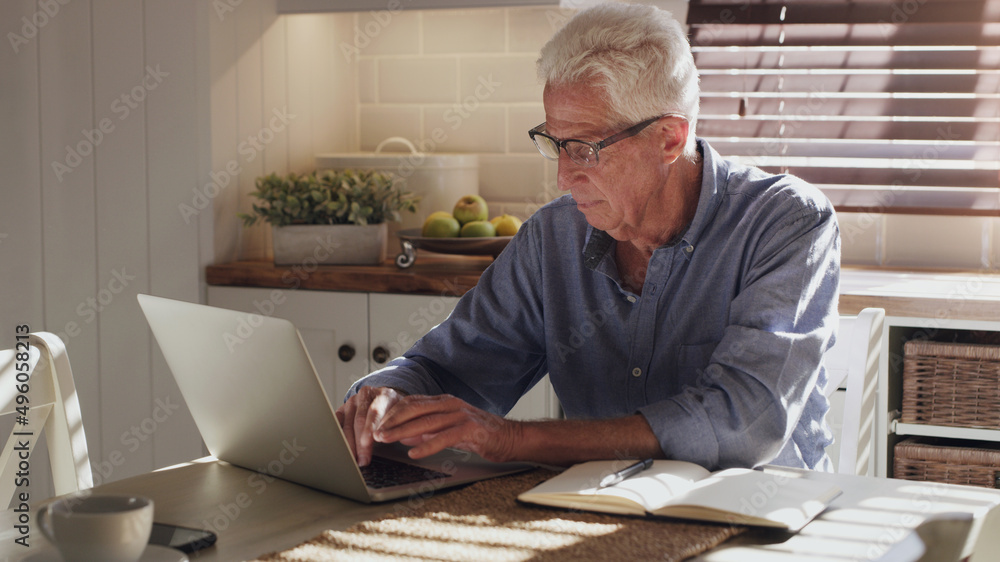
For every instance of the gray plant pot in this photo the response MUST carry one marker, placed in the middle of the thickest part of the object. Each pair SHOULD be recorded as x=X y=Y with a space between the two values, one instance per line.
x=333 y=244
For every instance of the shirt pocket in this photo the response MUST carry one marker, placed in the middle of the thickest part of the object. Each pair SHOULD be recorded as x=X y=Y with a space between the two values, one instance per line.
x=692 y=360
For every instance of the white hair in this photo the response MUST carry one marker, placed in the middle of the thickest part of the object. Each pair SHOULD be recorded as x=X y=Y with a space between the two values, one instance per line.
x=638 y=55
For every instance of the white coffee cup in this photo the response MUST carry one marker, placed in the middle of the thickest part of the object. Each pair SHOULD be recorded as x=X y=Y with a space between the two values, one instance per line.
x=98 y=527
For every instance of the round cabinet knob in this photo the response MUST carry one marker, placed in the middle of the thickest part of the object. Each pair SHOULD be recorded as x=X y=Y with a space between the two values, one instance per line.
x=380 y=355
x=346 y=353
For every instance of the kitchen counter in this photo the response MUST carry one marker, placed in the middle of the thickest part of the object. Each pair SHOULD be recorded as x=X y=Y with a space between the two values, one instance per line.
x=971 y=295
x=431 y=274
x=938 y=294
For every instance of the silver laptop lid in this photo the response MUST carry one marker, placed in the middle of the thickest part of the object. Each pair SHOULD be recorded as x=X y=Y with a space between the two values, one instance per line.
x=256 y=398
x=259 y=404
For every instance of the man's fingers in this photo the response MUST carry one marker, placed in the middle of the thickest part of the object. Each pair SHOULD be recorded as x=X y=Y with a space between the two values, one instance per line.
x=432 y=423
x=418 y=422
x=412 y=408
x=371 y=405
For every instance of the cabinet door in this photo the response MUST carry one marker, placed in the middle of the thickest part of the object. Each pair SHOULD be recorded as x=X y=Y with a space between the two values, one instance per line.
x=331 y=324
x=398 y=321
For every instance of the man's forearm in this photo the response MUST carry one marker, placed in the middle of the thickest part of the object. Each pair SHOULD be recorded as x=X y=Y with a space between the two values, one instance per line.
x=565 y=442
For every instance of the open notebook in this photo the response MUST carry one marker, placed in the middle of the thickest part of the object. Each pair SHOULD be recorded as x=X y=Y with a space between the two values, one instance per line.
x=686 y=490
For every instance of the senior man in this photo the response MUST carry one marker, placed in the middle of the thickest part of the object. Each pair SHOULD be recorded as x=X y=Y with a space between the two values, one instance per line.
x=680 y=303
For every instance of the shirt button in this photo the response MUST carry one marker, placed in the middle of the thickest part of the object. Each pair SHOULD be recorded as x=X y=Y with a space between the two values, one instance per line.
x=636 y=372
x=689 y=249
x=630 y=298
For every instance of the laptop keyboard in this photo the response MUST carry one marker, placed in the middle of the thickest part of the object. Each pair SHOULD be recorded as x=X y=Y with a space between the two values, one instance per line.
x=385 y=473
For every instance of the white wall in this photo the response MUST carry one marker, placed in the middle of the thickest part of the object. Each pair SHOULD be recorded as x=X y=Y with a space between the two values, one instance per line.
x=181 y=95
x=100 y=143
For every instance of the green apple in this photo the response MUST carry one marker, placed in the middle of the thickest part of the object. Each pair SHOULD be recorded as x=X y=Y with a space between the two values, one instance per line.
x=470 y=208
x=478 y=229
x=440 y=225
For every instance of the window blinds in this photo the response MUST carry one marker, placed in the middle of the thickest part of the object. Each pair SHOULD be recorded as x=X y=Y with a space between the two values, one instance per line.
x=889 y=106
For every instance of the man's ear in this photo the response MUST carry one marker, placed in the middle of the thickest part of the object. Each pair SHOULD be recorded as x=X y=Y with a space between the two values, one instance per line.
x=674 y=133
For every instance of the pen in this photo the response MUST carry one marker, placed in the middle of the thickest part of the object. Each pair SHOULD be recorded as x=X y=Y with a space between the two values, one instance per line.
x=627 y=472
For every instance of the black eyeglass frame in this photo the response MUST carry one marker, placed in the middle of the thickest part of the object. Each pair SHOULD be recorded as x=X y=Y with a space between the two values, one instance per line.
x=595 y=146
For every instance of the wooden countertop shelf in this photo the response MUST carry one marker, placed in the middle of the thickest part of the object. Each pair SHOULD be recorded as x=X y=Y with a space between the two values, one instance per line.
x=431 y=274
x=939 y=294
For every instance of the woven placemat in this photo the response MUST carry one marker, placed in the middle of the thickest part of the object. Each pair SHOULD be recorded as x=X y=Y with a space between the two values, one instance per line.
x=485 y=522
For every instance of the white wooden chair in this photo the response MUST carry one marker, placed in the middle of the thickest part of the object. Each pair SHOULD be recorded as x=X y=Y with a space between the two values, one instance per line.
x=53 y=408
x=852 y=364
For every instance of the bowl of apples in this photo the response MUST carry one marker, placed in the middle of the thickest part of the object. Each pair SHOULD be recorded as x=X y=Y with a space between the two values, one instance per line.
x=467 y=230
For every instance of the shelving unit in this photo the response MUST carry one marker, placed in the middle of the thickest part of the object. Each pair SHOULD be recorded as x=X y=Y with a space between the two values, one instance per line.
x=899 y=330
x=919 y=305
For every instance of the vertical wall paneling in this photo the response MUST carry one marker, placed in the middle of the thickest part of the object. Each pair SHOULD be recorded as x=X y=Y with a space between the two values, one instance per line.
x=20 y=192
x=286 y=86
x=332 y=90
x=274 y=94
x=174 y=40
x=203 y=144
x=300 y=61
x=225 y=126
x=20 y=184
x=252 y=117
x=346 y=71
x=123 y=81
x=66 y=108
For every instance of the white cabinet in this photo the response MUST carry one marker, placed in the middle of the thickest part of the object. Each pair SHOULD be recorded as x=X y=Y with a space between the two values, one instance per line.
x=350 y=334
x=396 y=322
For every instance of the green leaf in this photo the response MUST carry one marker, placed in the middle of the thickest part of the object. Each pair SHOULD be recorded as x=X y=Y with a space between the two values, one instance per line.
x=329 y=197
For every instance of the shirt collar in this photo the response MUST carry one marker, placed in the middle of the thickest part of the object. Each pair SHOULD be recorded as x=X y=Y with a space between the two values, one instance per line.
x=714 y=178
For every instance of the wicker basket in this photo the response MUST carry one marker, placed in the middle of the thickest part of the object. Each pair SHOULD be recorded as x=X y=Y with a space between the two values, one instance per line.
x=959 y=462
x=953 y=384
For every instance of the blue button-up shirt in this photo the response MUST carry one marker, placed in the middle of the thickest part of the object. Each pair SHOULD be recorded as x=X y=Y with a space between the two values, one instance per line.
x=721 y=352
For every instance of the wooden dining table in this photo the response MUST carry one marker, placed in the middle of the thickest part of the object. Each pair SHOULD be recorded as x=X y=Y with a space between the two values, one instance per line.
x=252 y=515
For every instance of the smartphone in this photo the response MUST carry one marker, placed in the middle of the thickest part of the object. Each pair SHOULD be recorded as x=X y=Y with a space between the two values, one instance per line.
x=184 y=539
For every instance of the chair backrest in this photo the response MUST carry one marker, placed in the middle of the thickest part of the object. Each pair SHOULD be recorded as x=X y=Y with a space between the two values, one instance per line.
x=36 y=387
x=853 y=363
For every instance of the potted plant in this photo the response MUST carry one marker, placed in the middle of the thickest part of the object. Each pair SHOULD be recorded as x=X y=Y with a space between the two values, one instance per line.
x=330 y=217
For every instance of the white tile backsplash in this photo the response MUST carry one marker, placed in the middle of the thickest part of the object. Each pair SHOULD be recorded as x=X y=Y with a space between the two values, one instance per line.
x=512 y=178
x=388 y=33
x=467 y=127
x=529 y=29
x=481 y=30
x=499 y=79
x=381 y=122
x=417 y=80
x=367 y=81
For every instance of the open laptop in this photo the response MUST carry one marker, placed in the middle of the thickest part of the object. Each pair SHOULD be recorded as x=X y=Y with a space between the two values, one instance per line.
x=259 y=404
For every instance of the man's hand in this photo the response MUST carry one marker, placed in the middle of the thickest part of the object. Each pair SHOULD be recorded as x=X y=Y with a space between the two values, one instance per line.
x=360 y=414
x=429 y=424
x=432 y=423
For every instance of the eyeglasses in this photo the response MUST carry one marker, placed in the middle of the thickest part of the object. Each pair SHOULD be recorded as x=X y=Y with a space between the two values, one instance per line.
x=585 y=153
